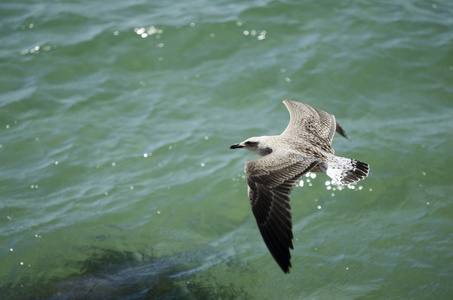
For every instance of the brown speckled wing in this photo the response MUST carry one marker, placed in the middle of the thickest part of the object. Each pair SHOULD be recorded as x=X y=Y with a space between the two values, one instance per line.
x=306 y=119
x=271 y=179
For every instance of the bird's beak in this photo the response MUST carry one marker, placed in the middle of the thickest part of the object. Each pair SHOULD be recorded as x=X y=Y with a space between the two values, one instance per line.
x=235 y=146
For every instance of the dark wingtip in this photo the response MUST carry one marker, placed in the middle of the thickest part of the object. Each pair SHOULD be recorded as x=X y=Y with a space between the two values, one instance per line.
x=285 y=266
x=341 y=131
x=286 y=270
x=279 y=251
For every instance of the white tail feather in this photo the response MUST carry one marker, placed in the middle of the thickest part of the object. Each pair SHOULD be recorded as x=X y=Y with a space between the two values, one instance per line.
x=345 y=170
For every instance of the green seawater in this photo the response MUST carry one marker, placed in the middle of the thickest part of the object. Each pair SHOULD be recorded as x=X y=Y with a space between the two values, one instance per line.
x=116 y=177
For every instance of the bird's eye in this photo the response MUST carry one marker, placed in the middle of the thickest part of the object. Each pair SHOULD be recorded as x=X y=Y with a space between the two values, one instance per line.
x=249 y=143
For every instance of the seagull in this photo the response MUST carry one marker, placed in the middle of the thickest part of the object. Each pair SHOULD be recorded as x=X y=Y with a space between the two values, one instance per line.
x=304 y=146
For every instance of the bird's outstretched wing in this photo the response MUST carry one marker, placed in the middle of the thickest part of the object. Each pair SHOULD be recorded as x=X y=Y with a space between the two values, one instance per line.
x=271 y=179
x=306 y=119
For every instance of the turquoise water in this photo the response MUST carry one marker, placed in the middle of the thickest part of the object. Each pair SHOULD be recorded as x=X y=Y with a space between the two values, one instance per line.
x=116 y=180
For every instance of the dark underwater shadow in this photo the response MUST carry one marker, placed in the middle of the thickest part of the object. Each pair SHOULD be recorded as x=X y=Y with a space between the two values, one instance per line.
x=110 y=274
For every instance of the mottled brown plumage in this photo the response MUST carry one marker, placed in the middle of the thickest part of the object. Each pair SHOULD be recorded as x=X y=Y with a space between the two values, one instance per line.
x=304 y=146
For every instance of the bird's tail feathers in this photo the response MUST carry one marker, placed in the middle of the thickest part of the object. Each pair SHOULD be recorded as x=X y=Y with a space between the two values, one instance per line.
x=345 y=170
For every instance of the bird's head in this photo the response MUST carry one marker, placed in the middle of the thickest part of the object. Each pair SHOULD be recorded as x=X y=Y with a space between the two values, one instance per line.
x=258 y=145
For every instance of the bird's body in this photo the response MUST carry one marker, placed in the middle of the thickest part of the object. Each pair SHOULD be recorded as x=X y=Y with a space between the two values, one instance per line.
x=304 y=146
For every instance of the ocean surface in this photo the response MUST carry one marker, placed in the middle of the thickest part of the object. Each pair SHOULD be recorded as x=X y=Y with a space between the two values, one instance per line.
x=116 y=177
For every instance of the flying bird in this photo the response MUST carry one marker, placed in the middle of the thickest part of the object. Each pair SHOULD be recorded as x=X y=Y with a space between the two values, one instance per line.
x=304 y=146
